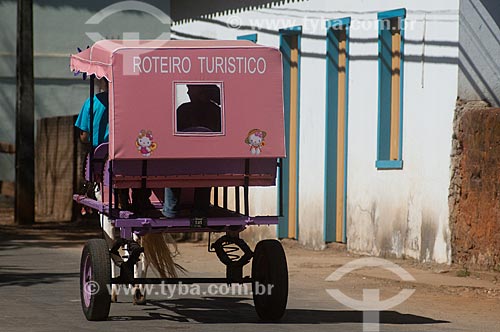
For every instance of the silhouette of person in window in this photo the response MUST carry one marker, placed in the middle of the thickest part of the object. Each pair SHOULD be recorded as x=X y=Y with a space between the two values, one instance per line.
x=203 y=112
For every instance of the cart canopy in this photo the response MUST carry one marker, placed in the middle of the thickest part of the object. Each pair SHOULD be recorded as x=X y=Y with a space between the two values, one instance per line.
x=190 y=99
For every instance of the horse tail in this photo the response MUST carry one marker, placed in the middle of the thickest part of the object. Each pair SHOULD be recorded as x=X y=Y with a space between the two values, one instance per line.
x=159 y=251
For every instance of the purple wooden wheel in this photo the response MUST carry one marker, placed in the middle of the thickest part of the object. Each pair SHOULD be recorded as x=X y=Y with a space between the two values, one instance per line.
x=95 y=278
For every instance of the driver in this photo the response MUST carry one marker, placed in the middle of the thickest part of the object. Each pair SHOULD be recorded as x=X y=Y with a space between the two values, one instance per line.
x=140 y=196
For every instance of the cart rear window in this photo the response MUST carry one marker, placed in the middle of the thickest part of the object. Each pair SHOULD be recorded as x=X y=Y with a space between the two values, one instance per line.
x=198 y=108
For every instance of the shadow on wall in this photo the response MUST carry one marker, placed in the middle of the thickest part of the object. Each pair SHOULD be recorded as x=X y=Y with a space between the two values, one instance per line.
x=189 y=9
x=479 y=70
x=493 y=8
x=7 y=91
x=451 y=60
x=7 y=108
x=93 y=6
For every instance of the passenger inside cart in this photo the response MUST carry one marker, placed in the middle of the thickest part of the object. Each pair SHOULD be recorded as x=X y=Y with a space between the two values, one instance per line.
x=202 y=112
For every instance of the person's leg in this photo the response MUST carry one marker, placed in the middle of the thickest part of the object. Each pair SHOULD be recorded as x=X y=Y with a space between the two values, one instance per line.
x=201 y=202
x=122 y=196
x=140 y=199
x=171 y=202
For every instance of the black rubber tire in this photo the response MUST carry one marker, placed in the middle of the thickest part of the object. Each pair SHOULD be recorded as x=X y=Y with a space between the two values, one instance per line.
x=269 y=268
x=100 y=301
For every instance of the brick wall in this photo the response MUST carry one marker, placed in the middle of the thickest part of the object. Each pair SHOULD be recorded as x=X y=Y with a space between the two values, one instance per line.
x=475 y=186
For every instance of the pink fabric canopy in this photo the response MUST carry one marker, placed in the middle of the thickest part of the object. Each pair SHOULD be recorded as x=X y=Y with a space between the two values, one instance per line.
x=98 y=59
x=152 y=87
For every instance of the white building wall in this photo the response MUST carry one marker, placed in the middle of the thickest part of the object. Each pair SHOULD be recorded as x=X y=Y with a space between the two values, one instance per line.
x=404 y=212
x=479 y=75
x=397 y=212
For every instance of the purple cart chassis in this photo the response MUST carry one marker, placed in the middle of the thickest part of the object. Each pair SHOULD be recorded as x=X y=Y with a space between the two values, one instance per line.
x=140 y=226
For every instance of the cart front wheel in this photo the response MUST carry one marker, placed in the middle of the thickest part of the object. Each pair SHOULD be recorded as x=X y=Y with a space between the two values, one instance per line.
x=270 y=280
x=95 y=277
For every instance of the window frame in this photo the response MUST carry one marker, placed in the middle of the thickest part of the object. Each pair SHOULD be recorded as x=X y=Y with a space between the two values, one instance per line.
x=383 y=163
x=283 y=230
x=176 y=132
x=330 y=233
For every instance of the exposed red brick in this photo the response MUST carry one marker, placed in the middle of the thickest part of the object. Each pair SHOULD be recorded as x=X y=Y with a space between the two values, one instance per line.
x=475 y=186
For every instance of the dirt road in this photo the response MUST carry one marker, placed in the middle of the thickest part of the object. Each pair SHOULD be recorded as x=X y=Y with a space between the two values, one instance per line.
x=39 y=292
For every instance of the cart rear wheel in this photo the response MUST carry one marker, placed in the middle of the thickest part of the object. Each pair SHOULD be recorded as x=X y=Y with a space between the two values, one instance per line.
x=270 y=280
x=95 y=276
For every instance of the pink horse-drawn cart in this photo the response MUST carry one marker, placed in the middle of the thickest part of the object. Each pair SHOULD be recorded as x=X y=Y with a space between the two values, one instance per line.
x=184 y=114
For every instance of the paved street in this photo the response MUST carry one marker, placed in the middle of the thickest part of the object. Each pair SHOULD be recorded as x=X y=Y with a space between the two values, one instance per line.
x=39 y=291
